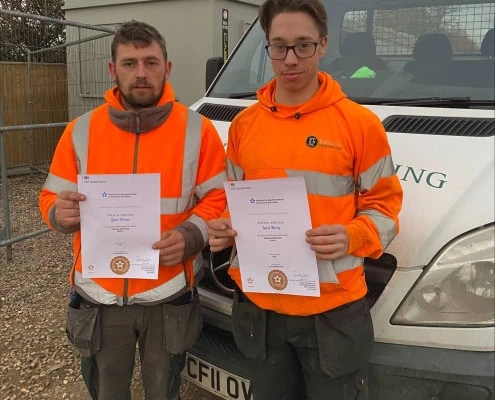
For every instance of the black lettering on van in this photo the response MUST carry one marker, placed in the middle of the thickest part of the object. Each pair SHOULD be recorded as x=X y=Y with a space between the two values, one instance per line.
x=438 y=183
x=413 y=173
x=432 y=179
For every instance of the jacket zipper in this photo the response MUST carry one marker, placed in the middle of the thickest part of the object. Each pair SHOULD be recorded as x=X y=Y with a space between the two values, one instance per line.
x=134 y=171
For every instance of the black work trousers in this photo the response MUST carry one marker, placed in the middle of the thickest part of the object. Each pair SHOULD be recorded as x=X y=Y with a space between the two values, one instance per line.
x=318 y=357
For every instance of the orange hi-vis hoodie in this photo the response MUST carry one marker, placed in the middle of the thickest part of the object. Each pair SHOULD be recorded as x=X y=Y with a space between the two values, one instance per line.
x=341 y=150
x=169 y=139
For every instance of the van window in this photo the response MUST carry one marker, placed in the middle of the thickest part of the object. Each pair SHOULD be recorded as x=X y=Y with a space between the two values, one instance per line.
x=248 y=69
x=420 y=49
x=397 y=31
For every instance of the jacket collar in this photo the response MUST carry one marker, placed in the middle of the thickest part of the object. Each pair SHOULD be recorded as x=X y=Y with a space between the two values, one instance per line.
x=141 y=121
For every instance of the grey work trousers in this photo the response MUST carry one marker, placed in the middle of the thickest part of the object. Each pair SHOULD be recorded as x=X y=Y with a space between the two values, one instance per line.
x=318 y=357
x=106 y=337
x=121 y=327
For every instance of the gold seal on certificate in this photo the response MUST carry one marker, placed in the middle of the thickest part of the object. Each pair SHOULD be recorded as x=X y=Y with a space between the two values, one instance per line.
x=120 y=265
x=277 y=279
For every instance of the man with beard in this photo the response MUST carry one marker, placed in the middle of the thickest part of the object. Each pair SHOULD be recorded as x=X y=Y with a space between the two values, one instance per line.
x=140 y=129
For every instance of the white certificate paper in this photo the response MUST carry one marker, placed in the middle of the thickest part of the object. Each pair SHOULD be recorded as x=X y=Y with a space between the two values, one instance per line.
x=120 y=221
x=271 y=217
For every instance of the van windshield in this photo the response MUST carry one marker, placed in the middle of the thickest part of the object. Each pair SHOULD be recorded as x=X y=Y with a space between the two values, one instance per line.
x=378 y=49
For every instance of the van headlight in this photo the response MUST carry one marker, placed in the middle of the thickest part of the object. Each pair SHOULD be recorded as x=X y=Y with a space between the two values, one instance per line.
x=457 y=288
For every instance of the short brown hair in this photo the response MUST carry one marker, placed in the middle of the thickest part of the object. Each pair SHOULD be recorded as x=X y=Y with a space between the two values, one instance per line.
x=314 y=8
x=140 y=34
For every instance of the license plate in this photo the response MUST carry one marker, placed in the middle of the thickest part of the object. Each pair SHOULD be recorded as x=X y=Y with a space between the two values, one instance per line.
x=216 y=380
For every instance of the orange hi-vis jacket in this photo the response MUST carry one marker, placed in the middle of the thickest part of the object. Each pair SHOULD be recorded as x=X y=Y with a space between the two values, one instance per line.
x=169 y=139
x=341 y=150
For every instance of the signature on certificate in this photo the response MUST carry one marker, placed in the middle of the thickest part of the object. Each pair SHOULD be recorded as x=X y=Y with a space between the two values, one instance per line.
x=298 y=276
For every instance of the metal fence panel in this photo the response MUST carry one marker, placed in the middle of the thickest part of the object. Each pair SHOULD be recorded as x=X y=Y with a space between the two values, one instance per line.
x=51 y=71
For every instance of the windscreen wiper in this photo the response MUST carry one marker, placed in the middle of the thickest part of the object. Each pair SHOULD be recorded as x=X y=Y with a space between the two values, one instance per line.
x=241 y=95
x=425 y=101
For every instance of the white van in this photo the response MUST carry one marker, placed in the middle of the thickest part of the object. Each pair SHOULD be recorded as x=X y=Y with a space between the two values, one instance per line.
x=426 y=68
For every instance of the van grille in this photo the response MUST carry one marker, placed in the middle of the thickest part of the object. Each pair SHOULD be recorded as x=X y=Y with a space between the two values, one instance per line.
x=447 y=126
x=219 y=112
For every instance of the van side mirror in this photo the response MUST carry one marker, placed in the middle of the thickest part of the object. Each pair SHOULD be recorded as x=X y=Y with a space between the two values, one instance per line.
x=213 y=67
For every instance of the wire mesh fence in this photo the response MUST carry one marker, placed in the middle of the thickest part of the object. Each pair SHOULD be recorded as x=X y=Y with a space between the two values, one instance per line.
x=51 y=71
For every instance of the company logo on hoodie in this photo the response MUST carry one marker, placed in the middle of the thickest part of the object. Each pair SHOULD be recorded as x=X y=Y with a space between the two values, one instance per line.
x=312 y=141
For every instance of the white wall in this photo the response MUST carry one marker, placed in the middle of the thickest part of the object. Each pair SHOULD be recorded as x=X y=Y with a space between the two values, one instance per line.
x=72 y=4
x=183 y=24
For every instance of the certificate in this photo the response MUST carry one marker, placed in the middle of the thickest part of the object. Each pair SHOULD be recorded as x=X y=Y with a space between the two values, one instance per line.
x=120 y=221
x=271 y=217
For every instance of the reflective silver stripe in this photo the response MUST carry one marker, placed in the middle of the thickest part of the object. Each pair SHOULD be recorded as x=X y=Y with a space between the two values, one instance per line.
x=213 y=183
x=201 y=224
x=174 y=205
x=167 y=289
x=325 y=184
x=386 y=226
x=234 y=172
x=80 y=139
x=192 y=146
x=383 y=168
x=327 y=270
x=347 y=263
x=159 y=293
x=56 y=184
x=235 y=262
x=95 y=291
x=197 y=263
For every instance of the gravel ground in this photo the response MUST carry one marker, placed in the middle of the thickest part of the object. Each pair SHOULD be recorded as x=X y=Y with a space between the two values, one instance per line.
x=36 y=360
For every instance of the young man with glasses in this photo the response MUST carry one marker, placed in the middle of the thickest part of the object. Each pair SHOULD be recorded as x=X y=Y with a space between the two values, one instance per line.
x=303 y=125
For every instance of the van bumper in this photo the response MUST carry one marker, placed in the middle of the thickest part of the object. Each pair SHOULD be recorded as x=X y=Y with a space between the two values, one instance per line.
x=421 y=373
x=395 y=371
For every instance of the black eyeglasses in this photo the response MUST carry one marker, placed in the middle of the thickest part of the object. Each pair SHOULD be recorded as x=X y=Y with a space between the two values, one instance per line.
x=301 y=50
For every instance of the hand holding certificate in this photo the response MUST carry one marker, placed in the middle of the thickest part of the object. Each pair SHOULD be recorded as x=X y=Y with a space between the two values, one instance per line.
x=271 y=217
x=120 y=220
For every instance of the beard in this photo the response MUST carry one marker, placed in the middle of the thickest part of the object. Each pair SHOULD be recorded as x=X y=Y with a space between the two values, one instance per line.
x=136 y=101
